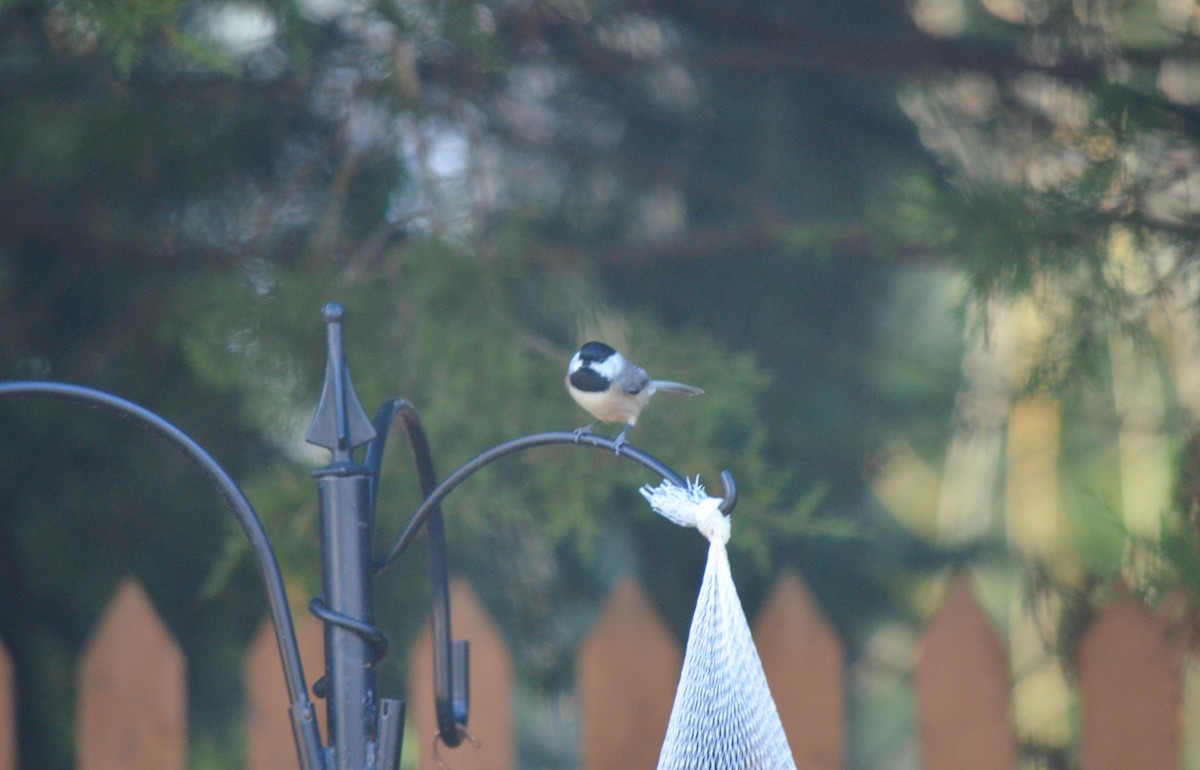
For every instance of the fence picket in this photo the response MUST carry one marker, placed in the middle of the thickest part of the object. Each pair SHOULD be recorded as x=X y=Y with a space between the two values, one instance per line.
x=1129 y=680
x=964 y=725
x=8 y=711
x=269 y=742
x=626 y=674
x=132 y=705
x=492 y=682
x=802 y=657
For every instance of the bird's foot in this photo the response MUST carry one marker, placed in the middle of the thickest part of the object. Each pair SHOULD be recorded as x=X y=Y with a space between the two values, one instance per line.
x=585 y=429
x=619 y=442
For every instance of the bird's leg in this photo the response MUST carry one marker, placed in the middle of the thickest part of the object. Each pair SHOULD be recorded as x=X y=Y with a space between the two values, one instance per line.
x=585 y=429
x=619 y=441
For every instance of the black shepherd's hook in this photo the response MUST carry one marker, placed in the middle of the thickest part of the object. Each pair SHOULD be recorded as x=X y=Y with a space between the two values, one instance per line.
x=308 y=740
x=347 y=496
x=450 y=656
x=432 y=502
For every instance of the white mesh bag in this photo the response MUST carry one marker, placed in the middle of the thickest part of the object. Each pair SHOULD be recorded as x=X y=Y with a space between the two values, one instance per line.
x=723 y=717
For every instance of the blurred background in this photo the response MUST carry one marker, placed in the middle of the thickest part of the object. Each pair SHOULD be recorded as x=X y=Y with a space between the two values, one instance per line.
x=934 y=263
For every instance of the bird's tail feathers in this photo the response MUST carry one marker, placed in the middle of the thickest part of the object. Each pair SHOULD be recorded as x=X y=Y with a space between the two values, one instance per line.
x=676 y=387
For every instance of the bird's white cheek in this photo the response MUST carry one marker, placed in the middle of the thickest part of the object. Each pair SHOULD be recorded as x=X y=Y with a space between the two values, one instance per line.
x=611 y=367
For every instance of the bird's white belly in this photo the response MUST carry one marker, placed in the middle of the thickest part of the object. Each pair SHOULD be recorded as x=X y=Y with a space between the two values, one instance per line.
x=612 y=407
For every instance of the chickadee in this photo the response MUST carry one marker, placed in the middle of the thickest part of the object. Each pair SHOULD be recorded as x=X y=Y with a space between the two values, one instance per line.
x=613 y=389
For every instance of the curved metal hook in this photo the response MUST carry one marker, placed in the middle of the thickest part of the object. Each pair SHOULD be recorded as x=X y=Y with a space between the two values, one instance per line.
x=451 y=482
x=308 y=740
x=449 y=718
x=729 y=496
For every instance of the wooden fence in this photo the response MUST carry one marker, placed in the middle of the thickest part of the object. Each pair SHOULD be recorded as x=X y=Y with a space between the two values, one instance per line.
x=132 y=713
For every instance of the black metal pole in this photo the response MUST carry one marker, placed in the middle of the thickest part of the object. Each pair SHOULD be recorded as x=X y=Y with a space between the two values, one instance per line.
x=344 y=496
x=350 y=665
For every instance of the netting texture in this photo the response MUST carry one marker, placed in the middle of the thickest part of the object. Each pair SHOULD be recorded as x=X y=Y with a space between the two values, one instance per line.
x=724 y=717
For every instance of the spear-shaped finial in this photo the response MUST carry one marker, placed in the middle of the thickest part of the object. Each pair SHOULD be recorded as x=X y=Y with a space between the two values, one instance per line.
x=340 y=423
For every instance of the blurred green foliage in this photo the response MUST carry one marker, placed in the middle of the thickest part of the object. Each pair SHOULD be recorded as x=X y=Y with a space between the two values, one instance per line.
x=780 y=204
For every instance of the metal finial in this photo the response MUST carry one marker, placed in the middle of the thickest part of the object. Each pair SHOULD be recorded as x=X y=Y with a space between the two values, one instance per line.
x=333 y=312
x=340 y=423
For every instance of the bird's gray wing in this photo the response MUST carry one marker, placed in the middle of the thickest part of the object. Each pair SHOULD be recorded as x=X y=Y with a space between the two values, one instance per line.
x=633 y=379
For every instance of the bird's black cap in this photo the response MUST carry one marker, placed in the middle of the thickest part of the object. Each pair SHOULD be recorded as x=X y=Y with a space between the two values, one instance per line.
x=595 y=351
